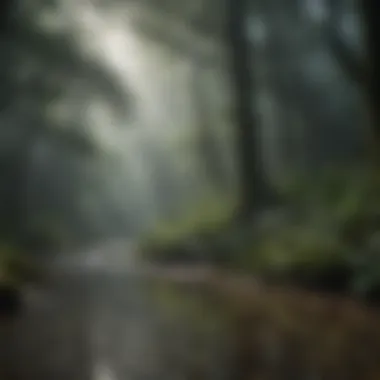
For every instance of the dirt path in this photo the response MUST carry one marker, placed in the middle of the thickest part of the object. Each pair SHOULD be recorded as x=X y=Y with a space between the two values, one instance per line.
x=81 y=322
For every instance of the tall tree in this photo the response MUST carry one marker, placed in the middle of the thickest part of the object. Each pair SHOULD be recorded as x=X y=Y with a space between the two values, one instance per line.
x=6 y=9
x=57 y=65
x=364 y=72
x=370 y=13
x=255 y=189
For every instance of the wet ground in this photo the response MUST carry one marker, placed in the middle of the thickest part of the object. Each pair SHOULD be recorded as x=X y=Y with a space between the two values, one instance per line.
x=113 y=324
x=95 y=321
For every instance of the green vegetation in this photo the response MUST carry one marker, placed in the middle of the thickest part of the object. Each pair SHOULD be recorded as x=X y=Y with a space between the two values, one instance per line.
x=204 y=218
x=12 y=265
x=18 y=263
x=18 y=267
x=334 y=220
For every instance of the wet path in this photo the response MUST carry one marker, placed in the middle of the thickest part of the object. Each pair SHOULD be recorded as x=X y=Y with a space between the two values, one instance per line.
x=80 y=325
x=80 y=328
x=96 y=320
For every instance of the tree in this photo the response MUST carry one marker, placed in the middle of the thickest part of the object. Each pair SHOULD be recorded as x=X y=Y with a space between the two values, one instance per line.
x=366 y=73
x=53 y=64
x=255 y=189
x=370 y=13
x=6 y=9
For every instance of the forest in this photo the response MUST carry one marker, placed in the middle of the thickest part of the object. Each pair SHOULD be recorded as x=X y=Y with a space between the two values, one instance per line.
x=189 y=190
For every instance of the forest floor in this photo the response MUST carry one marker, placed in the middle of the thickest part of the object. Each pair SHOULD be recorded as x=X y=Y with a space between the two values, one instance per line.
x=192 y=322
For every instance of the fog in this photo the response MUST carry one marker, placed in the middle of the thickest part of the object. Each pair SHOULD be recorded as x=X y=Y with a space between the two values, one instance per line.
x=119 y=124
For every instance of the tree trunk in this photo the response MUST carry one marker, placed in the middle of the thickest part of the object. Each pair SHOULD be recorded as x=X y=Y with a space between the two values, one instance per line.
x=209 y=148
x=255 y=192
x=6 y=9
x=370 y=14
x=365 y=73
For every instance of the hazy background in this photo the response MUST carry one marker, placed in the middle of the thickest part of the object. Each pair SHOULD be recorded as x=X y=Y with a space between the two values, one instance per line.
x=116 y=115
x=233 y=133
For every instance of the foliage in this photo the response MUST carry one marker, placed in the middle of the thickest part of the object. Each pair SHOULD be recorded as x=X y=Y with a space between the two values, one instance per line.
x=204 y=218
x=334 y=219
x=10 y=264
x=17 y=267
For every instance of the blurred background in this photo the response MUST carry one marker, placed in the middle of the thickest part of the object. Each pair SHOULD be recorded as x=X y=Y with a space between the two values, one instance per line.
x=241 y=136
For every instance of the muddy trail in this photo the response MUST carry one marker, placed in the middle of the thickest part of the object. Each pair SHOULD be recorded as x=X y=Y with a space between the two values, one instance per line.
x=96 y=321
x=127 y=322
